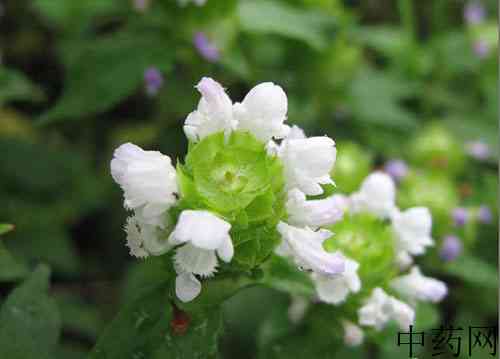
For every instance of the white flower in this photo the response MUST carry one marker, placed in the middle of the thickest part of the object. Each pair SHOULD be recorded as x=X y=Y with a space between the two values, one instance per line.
x=307 y=163
x=144 y=239
x=381 y=308
x=377 y=195
x=306 y=248
x=402 y=313
x=334 y=290
x=313 y=213
x=296 y=133
x=416 y=286
x=204 y=237
x=187 y=287
x=148 y=180
x=214 y=113
x=413 y=230
x=297 y=309
x=403 y=259
x=263 y=111
x=353 y=334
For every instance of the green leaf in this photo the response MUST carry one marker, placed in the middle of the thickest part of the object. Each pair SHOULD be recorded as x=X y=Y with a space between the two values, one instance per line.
x=104 y=71
x=14 y=86
x=71 y=15
x=375 y=98
x=268 y=17
x=29 y=320
x=143 y=329
x=10 y=268
x=474 y=271
x=6 y=228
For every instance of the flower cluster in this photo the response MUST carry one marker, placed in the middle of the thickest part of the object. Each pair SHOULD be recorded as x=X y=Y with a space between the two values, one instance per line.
x=378 y=242
x=244 y=187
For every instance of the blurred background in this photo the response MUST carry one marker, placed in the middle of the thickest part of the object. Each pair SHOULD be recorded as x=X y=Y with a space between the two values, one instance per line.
x=408 y=87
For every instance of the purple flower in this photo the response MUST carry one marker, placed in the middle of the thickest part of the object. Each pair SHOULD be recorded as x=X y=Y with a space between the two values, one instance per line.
x=484 y=215
x=153 y=80
x=397 y=169
x=460 y=216
x=478 y=150
x=207 y=49
x=450 y=248
x=474 y=12
x=481 y=48
x=141 y=5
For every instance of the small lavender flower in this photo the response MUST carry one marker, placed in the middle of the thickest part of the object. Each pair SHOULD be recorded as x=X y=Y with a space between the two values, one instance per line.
x=478 y=150
x=450 y=248
x=460 y=216
x=484 y=215
x=141 y=5
x=153 y=80
x=207 y=49
x=474 y=13
x=397 y=169
x=481 y=48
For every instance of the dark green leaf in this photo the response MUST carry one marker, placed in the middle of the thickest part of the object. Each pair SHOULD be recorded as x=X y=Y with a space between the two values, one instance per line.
x=269 y=17
x=29 y=320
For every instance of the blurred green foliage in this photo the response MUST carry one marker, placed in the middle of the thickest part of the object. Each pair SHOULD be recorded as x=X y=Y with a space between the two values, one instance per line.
x=399 y=79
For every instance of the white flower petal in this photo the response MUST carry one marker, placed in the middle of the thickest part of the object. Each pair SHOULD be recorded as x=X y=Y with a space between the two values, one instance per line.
x=187 y=287
x=402 y=313
x=413 y=230
x=263 y=111
x=147 y=178
x=306 y=247
x=214 y=113
x=226 y=250
x=313 y=213
x=380 y=308
x=377 y=195
x=416 y=286
x=135 y=241
x=335 y=289
x=296 y=133
x=308 y=162
x=191 y=259
x=202 y=228
x=353 y=334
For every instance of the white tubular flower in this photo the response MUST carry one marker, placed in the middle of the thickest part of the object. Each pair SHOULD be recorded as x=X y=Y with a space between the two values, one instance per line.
x=334 y=290
x=377 y=195
x=353 y=334
x=263 y=112
x=416 y=286
x=380 y=308
x=402 y=313
x=148 y=180
x=214 y=112
x=297 y=309
x=313 y=213
x=308 y=162
x=403 y=260
x=144 y=239
x=413 y=230
x=204 y=235
x=306 y=248
x=296 y=133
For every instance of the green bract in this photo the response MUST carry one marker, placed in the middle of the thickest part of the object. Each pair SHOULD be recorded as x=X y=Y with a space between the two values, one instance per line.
x=369 y=241
x=234 y=177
